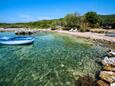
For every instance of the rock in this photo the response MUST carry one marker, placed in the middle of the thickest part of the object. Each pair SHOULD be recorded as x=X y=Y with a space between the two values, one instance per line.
x=113 y=84
x=85 y=81
x=102 y=83
x=109 y=68
x=107 y=76
x=108 y=61
x=62 y=65
x=111 y=54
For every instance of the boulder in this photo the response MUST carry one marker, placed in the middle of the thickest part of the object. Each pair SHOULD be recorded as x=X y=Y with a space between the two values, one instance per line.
x=108 y=61
x=113 y=84
x=102 y=83
x=109 y=68
x=111 y=53
x=107 y=76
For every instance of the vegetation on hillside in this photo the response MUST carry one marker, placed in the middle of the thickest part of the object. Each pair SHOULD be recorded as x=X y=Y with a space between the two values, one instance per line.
x=70 y=21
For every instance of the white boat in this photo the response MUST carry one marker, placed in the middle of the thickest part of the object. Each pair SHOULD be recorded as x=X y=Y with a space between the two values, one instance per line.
x=16 y=40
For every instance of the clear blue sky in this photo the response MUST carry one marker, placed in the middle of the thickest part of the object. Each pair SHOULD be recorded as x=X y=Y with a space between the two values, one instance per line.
x=32 y=10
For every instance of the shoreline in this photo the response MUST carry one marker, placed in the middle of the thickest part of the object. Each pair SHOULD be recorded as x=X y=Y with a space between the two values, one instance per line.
x=94 y=36
x=88 y=35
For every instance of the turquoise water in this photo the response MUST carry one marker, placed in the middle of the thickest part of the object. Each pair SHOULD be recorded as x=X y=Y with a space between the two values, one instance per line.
x=53 y=60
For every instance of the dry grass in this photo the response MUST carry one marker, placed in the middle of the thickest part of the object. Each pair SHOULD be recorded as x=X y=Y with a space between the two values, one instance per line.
x=98 y=30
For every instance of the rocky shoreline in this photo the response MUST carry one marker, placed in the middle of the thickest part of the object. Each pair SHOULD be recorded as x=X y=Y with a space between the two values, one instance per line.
x=107 y=74
x=23 y=31
x=89 y=35
x=94 y=36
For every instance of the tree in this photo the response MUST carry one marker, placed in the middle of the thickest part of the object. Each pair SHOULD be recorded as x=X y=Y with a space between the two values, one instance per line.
x=71 y=21
x=93 y=19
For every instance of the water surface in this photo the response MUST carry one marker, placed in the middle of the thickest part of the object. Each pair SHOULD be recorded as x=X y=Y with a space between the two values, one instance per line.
x=53 y=60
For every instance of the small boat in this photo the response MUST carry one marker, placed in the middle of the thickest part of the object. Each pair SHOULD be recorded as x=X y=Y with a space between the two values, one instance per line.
x=19 y=40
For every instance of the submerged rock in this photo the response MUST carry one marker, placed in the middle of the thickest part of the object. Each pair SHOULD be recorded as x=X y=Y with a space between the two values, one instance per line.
x=85 y=81
x=108 y=76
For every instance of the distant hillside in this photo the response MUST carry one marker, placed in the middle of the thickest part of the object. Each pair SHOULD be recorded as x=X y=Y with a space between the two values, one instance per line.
x=106 y=19
x=38 y=24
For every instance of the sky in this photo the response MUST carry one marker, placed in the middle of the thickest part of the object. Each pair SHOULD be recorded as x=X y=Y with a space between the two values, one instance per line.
x=12 y=11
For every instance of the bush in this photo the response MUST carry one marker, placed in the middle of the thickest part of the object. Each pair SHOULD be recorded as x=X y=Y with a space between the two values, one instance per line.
x=71 y=21
x=93 y=19
x=54 y=28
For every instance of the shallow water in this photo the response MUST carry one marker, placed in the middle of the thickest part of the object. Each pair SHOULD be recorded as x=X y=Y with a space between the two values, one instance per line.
x=53 y=60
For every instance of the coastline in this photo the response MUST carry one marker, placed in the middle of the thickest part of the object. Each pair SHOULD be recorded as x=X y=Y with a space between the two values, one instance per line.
x=88 y=35
x=94 y=36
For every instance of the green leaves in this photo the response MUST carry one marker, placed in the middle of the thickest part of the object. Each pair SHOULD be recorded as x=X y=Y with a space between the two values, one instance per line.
x=92 y=19
x=72 y=20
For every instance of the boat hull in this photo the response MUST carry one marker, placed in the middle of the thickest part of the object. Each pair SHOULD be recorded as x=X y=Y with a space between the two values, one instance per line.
x=17 y=42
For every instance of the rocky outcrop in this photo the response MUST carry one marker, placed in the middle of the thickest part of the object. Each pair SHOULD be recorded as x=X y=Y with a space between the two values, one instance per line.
x=25 y=32
x=107 y=75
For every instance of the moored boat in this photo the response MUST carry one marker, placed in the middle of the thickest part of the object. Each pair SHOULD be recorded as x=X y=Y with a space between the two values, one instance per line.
x=16 y=40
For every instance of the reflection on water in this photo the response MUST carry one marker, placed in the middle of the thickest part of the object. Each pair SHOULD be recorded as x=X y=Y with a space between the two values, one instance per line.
x=53 y=60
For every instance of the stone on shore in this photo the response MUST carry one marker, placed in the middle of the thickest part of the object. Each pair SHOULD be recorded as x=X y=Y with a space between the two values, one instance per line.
x=109 y=68
x=113 y=84
x=111 y=54
x=25 y=32
x=108 y=61
x=102 y=83
x=107 y=76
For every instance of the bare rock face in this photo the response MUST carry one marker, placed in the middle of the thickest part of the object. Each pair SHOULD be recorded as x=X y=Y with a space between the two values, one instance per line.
x=108 y=76
x=108 y=61
x=102 y=83
x=109 y=68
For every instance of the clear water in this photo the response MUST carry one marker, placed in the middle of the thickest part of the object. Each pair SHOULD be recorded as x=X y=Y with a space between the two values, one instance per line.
x=53 y=60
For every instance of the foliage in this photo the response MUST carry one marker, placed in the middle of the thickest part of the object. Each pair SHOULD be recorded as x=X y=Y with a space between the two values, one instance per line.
x=108 y=19
x=53 y=25
x=71 y=21
x=92 y=19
